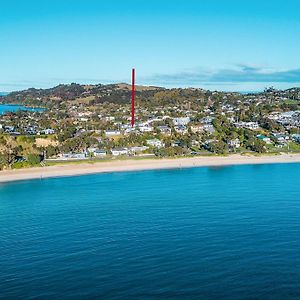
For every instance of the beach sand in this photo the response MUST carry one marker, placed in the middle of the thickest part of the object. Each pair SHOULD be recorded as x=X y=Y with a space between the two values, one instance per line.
x=142 y=164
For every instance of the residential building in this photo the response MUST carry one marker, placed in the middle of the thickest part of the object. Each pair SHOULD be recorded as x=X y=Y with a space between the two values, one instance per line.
x=73 y=156
x=155 y=143
x=181 y=121
x=110 y=133
x=234 y=143
x=166 y=130
x=119 y=151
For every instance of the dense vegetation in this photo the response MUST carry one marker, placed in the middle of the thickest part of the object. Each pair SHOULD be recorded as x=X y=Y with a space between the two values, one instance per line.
x=79 y=116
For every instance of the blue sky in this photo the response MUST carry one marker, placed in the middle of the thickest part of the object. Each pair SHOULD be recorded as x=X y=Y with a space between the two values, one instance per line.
x=215 y=44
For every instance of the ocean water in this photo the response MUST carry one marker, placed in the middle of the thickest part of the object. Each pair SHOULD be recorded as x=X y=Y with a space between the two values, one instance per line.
x=4 y=108
x=200 y=233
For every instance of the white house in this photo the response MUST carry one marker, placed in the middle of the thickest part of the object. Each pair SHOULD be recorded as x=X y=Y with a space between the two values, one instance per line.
x=137 y=149
x=70 y=156
x=181 y=129
x=209 y=128
x=252 y=125
x=112 y=132
x=264 y=138
x=48 y=131
x=281 y=138
x=129 y=130
x=166 y=130
x=207 y=120
x=9 y=129
x=235 y=143
x=100 y=153
x=145 y=128
x=96 y=152
x=247 y=125
x=119 y=151
x=109 y=118
x=181 y=121
x=155 y=143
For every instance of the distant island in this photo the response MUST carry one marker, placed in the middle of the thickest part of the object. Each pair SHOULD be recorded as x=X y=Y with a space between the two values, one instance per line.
x=91 y=123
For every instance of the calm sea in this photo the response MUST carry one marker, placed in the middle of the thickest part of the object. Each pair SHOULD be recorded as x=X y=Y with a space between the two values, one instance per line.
x=206 y=233
x=4 y=108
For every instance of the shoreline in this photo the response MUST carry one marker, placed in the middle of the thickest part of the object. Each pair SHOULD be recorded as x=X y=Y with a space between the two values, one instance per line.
x=142 y=165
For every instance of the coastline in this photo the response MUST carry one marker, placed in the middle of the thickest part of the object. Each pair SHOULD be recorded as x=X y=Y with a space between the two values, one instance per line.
x=141 y=165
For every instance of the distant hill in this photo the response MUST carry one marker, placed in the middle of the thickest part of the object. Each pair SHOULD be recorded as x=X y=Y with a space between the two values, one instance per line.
x=117 y=93
x=120 y=93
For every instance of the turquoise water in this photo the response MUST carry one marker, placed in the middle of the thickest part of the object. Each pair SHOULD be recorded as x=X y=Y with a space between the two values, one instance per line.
x=13 y=108
x=206 y=233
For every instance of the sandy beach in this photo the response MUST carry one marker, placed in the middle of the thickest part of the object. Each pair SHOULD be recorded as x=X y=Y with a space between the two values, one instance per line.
x=143 y=164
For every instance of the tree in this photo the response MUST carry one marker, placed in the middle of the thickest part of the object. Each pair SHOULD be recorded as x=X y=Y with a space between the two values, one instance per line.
x=219 y=147
x=51 y=151
x=259 y=146
x=33 y=159
x=8 y=151
x=256 y=145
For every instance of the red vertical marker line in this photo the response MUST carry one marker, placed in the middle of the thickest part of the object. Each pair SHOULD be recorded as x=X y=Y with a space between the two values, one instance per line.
x=132 y=97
